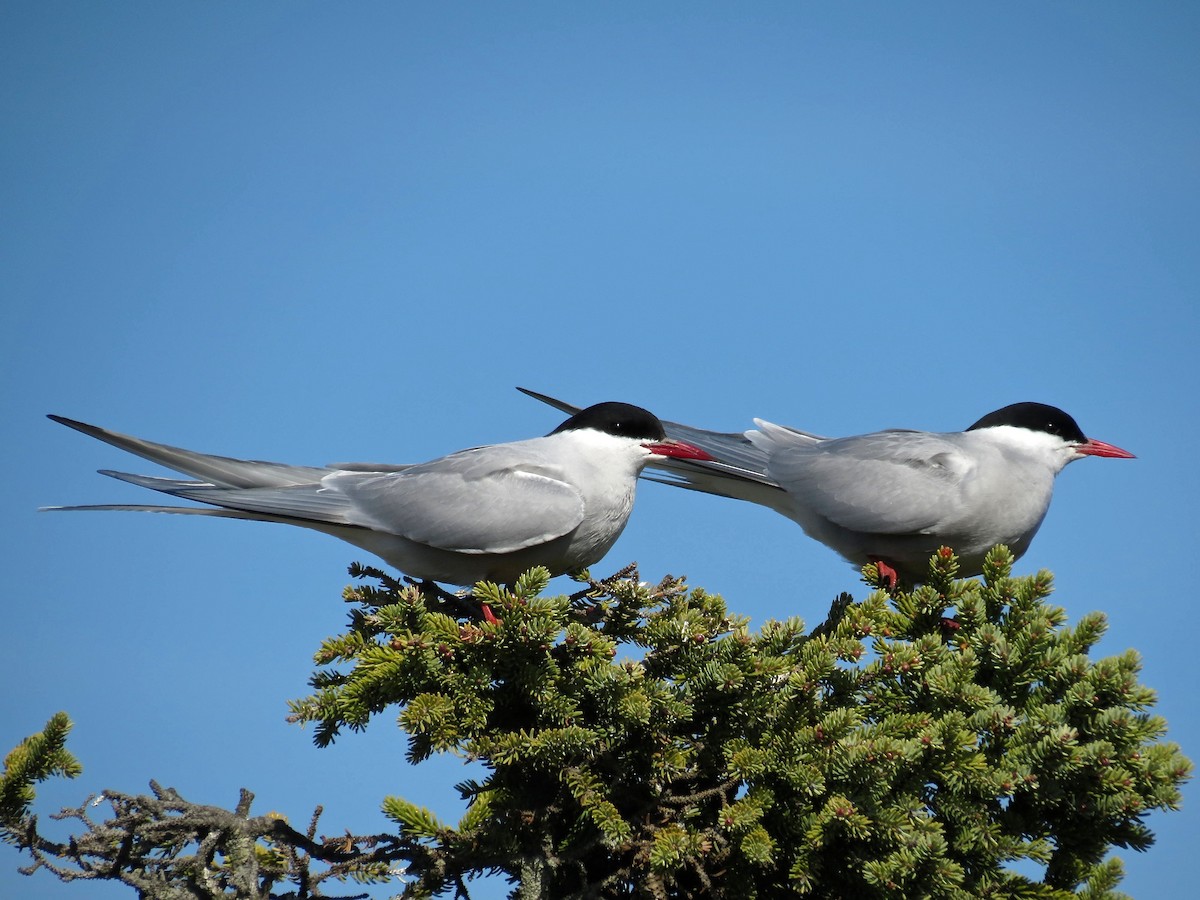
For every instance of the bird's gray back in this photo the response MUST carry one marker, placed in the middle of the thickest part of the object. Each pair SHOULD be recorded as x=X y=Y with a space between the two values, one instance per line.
x=891 y=482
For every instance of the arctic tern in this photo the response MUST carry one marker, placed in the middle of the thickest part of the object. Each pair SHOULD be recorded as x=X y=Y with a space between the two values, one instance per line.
x=894 y=497
x=488 y=513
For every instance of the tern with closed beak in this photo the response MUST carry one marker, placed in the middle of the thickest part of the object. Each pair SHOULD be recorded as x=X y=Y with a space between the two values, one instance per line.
x=894 y=497
x=489 y=513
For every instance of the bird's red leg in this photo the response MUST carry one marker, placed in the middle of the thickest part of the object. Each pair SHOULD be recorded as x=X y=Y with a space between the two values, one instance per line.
x=462 y=605
x=887 y=573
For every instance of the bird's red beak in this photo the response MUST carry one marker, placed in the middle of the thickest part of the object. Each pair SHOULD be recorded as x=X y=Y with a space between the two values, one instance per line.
x=678 y=449
x=1099 y=448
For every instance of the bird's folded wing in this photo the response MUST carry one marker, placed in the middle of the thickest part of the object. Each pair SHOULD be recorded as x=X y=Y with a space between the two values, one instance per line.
x=305 y=502
x=883 y=483
x=502 y=511
x=468 y=510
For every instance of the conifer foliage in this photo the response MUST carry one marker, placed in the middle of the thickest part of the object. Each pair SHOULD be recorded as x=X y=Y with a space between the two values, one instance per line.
x=642 y=741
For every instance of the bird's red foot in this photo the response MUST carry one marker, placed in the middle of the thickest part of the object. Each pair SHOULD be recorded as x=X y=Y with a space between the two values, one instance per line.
x=887 y=574
x=489 y=616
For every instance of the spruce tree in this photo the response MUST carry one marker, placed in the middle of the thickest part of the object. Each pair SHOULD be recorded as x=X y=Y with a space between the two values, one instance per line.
x=642 y=741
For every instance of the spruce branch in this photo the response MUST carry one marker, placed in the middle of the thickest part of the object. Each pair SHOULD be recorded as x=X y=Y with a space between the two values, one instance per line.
x=167 y=847
x=37 y=758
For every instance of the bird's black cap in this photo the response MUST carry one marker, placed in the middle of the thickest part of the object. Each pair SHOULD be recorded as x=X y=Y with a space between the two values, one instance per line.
x=621 y=419
x=1035 y=417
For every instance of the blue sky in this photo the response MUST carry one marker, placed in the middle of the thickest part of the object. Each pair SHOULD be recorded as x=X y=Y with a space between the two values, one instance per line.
x=317 y=232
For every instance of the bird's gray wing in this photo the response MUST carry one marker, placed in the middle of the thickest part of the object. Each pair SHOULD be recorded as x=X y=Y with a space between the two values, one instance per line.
x=217 y=470
x=892 y=482
x=308 y=502
x=487 y=500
